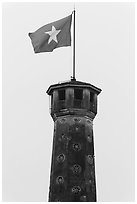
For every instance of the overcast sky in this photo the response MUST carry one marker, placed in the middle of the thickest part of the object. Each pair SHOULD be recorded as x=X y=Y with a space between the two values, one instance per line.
x=104 y=58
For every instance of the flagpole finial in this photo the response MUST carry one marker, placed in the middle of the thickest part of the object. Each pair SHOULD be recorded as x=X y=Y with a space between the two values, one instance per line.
x=73 y=8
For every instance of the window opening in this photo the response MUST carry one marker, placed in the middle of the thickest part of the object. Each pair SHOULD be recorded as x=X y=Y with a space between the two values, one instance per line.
x=78 y=94
x=91 y=97
x=62 y=94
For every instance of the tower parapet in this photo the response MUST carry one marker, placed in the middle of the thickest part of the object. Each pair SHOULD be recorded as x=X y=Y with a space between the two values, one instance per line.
x=73 y=98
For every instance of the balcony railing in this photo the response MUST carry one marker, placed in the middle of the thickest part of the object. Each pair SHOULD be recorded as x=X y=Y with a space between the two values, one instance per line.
x=61 y=104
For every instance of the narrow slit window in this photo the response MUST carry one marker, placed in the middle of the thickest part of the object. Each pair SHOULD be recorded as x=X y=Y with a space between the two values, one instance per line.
x=91 y=97
x=52 y=99
x=62 y=94
x=78 y=94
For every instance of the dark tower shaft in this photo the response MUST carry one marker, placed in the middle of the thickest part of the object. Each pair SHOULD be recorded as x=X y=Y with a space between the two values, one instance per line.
x=73 y=108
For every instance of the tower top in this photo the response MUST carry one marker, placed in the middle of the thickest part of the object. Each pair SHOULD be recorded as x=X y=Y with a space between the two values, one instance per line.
x=73 y=98
x=73 y=83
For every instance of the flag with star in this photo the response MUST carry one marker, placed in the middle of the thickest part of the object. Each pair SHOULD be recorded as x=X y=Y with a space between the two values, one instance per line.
x=51 y=36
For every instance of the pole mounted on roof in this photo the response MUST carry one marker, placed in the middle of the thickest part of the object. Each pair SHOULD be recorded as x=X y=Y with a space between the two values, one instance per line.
x=73 y=77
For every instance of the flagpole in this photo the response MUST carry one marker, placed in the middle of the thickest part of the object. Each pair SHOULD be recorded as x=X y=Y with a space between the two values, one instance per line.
x=73 y=78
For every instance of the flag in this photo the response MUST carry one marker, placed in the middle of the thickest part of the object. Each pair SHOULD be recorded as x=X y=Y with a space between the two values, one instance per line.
x=51 y=36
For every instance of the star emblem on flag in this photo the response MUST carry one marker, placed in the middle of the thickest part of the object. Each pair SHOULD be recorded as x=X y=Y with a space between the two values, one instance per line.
x=53 y=34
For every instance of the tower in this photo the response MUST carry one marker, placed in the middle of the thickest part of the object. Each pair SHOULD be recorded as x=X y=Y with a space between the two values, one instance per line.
x=73 y=108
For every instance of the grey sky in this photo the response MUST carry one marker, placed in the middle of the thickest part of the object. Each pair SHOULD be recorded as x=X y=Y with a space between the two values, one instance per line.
x=104 y=58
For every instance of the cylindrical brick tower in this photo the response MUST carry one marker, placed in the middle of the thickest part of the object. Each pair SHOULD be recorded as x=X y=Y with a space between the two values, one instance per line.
x=73 y=108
